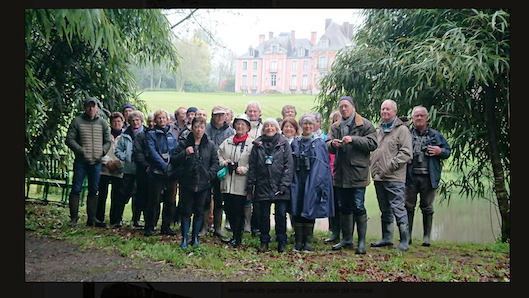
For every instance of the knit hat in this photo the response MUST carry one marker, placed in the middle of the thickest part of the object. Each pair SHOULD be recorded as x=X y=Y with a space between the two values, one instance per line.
x=128 y=106
x=191 y=110
x=348 y=98
x=307 y=116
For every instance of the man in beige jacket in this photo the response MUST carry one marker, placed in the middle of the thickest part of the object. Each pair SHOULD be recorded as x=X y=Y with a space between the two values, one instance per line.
x=388 y=169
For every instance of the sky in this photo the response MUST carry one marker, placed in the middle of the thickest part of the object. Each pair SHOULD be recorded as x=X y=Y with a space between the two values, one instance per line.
x=239 y=29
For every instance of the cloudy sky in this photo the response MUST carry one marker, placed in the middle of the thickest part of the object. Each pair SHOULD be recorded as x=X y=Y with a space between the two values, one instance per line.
x=239 y=29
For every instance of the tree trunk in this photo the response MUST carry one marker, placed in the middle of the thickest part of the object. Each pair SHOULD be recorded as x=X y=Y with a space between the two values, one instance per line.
x=502 y=195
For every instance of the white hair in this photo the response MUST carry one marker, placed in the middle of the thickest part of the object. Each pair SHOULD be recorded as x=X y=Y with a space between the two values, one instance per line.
x=417 y=108
x=271 y=121
x=254 y=103
x=392 y=101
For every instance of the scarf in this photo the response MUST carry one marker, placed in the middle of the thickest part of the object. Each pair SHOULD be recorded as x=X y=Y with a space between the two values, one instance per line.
x=345 y=124
x=237 y=140
x=137 y=131
x=115 y=132
x=269 y=143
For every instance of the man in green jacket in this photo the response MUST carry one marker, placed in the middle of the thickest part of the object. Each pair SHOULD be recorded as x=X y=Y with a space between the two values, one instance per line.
x=352 y=141
x=89 y=138
x=388 y=168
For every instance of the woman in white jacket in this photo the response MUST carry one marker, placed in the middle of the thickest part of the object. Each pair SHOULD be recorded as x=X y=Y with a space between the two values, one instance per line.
x=234 y=155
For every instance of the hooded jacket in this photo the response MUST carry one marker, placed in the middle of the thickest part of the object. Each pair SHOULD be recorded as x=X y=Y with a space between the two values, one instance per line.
x=160 y=141
x=351 y=162
x=200 y=168
x=389 y=160
x=218 y=135
x=318 y=198
x=125 y=150
x=235 y=183
x=264 y=181
x=89 y=139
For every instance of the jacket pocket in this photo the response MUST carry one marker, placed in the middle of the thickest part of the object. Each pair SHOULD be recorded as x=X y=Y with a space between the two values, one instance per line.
x=359 y=170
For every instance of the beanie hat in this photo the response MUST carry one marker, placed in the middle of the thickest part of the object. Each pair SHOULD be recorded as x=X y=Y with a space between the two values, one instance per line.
x=348 y=98
x=191 y=109
x=307 y=116
x=128 y=106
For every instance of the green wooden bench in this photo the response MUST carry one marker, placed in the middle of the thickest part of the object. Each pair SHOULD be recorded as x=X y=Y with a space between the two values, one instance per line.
x=54 y=171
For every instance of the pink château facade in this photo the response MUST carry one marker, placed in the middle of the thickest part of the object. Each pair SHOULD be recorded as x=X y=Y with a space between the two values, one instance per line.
x=286 y=64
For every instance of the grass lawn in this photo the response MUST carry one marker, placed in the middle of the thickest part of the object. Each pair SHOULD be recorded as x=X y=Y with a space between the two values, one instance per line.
x=271 y=105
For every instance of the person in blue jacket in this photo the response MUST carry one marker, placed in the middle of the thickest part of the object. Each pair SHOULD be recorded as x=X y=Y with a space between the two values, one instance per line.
x=161 y=143
x=424 y=172
x=312 y=187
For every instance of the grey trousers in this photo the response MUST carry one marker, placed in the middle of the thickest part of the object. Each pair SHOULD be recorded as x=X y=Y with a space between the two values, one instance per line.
x=421 y=186
x=390 y=196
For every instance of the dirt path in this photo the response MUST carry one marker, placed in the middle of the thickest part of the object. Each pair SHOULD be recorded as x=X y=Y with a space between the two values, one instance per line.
x=58 y=261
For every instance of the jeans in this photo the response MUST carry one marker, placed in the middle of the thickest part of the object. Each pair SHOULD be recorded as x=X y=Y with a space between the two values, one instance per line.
x=351 y=200
x=104 y=182
x=80 y=171
x=280 y=217
x=390 y=196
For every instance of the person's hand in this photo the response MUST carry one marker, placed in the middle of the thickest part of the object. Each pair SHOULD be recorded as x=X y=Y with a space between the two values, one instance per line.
x=249 y=197
x=226 y=162
x=239 y=170
x=347 y=139
x=337 y=143
x=434 y=150
x=190 y=150
x=147 y=170
x=111 y=165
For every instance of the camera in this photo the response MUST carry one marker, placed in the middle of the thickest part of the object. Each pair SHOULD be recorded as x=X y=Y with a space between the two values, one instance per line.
x=232 y=166
x=269 y=159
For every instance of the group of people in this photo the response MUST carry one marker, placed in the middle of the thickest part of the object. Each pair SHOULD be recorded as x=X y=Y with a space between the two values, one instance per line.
x=241 y=165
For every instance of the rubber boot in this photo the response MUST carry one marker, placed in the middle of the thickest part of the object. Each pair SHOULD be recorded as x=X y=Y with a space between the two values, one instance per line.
x=196 y=228
x=361 y=229
x=411 y=215
x=387 y=235
x=91 y=210
x=427 y=228
x=73 y=203
x=263 y=247
x=247 y=218
x=346 y=224
x=185 y=233
x=404 y=238
x=204 y=230
x=334 y=226
x=308 y=231
x=217 y=223
x=237 y=230
x=298 y=236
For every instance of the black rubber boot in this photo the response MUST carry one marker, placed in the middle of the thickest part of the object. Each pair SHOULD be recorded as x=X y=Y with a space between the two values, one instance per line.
x=411 y=215
x=91 y=210
x=73 y=203
x=361 y=228
x=185 y=233
x=263 y=247
x=281 y=247
x=427 y=228
x=298 y=236
x=346 y=223
x=308 y=231
x=387 y=235
x=404 y=238
x=334 y=226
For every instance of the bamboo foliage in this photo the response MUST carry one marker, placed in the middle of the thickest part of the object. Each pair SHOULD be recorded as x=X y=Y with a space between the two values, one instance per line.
x=456 y=63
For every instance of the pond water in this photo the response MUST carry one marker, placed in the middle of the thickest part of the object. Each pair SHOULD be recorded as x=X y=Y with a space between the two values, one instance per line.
x=460 y=220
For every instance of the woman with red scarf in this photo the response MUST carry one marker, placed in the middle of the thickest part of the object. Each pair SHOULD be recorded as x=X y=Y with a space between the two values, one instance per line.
x=234 y=155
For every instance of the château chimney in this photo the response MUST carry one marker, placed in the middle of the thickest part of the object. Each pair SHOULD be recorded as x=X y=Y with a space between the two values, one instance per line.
x=313 y=38
x=270 y=35
x=327 y=23
x=293 y=38
x=261 y=38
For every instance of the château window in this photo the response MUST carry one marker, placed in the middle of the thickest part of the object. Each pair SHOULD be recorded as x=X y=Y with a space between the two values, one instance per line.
x=294 y=65
x=255 y=65
x=244 y=65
